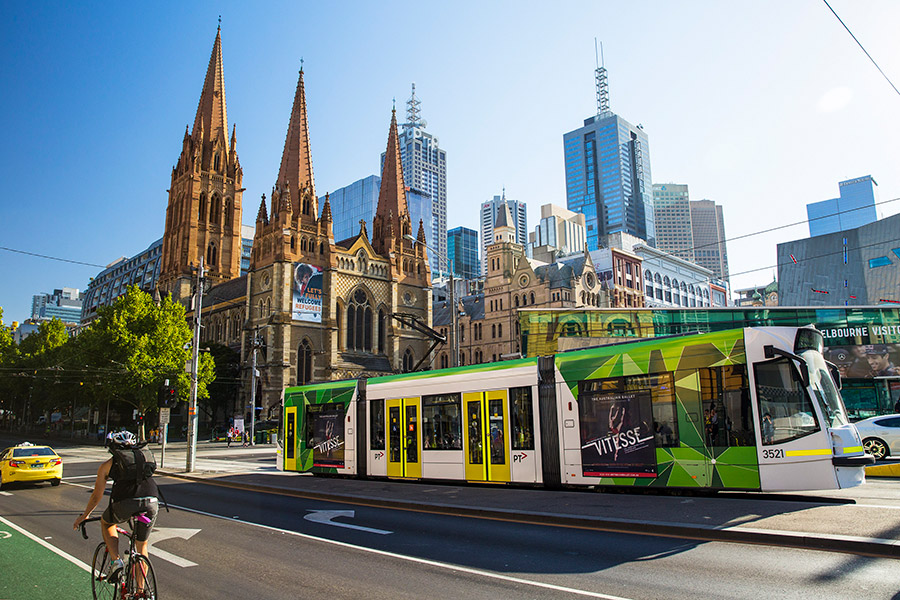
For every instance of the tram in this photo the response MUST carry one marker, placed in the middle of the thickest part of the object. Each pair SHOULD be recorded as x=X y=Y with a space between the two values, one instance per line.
x=745 y=409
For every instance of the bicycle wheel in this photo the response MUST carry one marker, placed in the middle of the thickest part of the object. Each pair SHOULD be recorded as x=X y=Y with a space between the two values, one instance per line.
x=102 y=589
x=140 y=581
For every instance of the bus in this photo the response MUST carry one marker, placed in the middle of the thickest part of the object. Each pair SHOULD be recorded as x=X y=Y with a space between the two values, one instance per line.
x=757 y=408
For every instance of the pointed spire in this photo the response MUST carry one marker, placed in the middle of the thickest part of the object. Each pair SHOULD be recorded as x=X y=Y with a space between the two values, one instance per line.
x=326 y=210
x=420 y=237
x=261 y=215
x=233 y=137
x=392 y=196
x=296 y=161
x=212 y=117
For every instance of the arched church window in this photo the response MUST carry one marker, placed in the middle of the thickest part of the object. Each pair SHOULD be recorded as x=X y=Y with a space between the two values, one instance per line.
x=211 y=254
x=304 y=363
x=359 y=322
x=216 y=161
x=407 y=361
x=202 y=211
x=532 y=298
x=215 y=210
x=227 y=212
x=382 y=330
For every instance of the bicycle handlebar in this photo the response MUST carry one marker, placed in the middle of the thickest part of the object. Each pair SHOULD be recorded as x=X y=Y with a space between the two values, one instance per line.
x=83 y=530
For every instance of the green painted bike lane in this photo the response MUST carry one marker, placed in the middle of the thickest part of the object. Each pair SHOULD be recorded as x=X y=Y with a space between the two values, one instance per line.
x=34 y=569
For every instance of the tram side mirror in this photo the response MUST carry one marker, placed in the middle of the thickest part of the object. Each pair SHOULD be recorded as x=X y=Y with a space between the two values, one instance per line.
x=769 y=351
x=835 y=374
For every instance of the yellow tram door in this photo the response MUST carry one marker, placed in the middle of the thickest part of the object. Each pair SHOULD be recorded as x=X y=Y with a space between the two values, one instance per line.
x=403 y=439
x=290 y=439
x=486 y=442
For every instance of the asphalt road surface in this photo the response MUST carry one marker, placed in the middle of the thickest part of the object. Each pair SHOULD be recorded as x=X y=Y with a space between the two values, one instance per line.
x=218 y=542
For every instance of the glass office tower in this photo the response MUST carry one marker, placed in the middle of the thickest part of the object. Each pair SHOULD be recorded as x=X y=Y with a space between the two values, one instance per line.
x=462 y=243
x=855 y=207
x=608 y=178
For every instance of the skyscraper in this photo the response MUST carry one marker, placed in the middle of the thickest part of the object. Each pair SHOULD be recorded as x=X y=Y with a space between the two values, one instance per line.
x=488 y=221
x=560 y=232
x=855 y=207
x=425 y=170
x=708 y=227
x=608 y=173
x=462 y=244
x=672 y=214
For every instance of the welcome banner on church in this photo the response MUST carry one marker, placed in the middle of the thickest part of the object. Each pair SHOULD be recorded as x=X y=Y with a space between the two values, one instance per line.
x=307 y=293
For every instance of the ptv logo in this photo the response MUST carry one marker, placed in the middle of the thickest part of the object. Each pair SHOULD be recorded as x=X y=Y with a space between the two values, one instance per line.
x=520 y=457
x=379 y=455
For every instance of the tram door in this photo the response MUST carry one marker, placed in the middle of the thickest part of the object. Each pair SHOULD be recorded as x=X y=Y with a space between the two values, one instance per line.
x=403 y=439
x=487 y=436
x=290 y=439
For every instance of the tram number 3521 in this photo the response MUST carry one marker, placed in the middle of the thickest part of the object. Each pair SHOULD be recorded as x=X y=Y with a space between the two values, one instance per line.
x=773 y=453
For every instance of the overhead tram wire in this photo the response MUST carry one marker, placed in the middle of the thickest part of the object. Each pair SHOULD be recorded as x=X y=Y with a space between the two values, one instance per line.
x=740 y=237
x=861 y=47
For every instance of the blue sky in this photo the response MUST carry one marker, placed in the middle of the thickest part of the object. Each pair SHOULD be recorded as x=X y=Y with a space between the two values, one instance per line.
x=762 y=107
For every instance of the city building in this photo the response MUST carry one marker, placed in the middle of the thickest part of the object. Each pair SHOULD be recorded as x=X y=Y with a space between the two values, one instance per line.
x=672 y=212
x=141 y=270
x=853 y=267
x=488 y=322
x=759 y=295
x=63 y=304
x=560 y=232
x=856 y=206
x=620 y=276
x=425 y=170
x=708 y=227
x=462 y=248
x=608 y=178
x=489 y=211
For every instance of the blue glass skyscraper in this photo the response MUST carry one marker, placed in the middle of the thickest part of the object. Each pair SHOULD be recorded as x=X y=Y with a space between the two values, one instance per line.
x=462 y=245
x=608 y=174
x=856 y=207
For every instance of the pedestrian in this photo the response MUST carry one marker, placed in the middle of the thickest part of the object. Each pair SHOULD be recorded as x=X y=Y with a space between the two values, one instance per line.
x=228 y=435
x=768 y=429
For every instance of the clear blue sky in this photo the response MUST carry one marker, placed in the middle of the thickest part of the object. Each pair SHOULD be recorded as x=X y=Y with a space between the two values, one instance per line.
x=760 y=106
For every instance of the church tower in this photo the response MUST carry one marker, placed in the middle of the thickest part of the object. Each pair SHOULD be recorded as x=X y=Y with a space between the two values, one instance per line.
x=203 y=217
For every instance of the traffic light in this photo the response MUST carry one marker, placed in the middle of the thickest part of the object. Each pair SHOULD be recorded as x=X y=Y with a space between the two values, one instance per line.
x=166 y=398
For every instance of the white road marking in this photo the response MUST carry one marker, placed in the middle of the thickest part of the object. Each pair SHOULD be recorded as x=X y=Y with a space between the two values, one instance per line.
x=5 y=494
x=326 y=516
x=165 y=533
x=47 y=545
x=423 y=561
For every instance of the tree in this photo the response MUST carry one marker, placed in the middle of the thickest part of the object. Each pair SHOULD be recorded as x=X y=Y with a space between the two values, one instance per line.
x=141 y=344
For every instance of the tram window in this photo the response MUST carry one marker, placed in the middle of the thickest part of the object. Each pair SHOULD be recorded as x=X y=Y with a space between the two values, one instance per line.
x=441 y=425
x=786 y=411
x=522 y=418
x=376 y=424
x=725 y=396
x=325 y=433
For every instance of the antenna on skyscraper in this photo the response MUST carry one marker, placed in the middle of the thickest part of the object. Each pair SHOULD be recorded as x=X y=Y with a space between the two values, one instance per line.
x=412 y=111
x=601 y=80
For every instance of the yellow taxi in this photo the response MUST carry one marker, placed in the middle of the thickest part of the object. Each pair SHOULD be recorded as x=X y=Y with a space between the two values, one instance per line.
x=27 y=462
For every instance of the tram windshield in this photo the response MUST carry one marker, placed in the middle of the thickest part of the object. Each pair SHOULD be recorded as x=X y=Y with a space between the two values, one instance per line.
x=826 y=392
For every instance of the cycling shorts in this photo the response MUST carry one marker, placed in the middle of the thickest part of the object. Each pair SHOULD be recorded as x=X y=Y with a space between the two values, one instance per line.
x=122 y=510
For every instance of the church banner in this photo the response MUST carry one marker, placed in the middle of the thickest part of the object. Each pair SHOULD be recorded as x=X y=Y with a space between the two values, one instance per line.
x=307 y=293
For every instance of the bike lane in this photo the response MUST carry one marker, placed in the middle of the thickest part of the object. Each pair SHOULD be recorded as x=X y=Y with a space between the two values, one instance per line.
x=34 y=569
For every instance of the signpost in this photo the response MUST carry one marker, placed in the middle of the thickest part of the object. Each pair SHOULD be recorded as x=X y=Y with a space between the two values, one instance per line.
x=165 y=415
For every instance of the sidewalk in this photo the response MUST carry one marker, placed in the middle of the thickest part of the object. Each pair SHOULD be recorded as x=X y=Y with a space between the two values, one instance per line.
x=863 y=520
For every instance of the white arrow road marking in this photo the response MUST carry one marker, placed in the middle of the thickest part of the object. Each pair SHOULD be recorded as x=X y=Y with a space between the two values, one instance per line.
x=165 y=533
x=326 y=516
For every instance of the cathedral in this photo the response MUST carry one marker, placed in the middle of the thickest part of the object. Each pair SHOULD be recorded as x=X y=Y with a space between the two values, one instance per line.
x=312 y=308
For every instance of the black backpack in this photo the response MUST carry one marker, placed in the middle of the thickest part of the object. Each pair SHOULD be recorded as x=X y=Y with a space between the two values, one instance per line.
x=132 y=463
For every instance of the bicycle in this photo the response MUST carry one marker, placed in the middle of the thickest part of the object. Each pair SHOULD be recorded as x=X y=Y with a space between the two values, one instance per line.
x=135 y=581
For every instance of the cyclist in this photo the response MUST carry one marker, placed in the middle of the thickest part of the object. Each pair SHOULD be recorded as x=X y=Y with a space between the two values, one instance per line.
x=132 y=492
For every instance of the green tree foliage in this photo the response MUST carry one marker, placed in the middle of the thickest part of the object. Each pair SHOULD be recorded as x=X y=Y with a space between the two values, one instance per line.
x=7 y=346
x=141 y=344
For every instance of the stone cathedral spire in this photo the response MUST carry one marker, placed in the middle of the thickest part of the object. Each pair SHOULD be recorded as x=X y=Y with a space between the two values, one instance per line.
x=296 y=162
x=203 y=216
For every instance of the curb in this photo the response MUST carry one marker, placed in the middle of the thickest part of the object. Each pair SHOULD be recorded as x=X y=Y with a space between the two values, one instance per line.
x=876 y=547
x=892 y=470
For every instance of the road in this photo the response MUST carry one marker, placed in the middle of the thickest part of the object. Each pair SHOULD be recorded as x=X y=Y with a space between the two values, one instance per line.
x=243 y=544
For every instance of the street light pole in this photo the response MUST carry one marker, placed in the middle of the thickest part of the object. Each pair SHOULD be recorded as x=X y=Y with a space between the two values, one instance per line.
x=253 y=389
x=192 y=406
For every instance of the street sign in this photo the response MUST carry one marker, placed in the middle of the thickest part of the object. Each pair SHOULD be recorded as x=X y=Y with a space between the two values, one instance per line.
x=164 y=415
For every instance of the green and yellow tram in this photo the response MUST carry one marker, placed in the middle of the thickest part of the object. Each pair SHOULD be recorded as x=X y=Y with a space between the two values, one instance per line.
x=744 y=409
